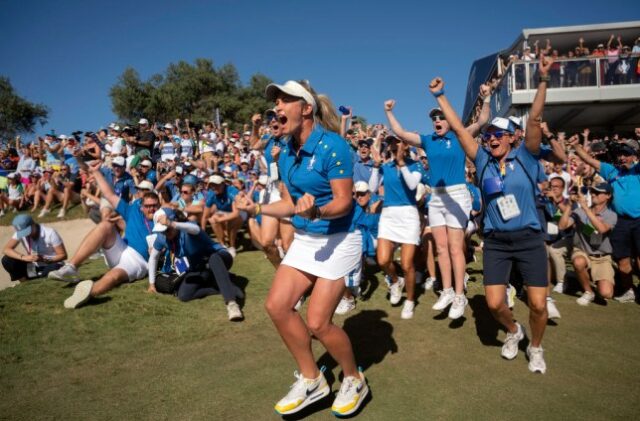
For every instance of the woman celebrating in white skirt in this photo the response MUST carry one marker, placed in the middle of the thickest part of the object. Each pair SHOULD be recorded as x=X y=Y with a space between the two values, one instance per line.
x=316 y=169
x=400 y=220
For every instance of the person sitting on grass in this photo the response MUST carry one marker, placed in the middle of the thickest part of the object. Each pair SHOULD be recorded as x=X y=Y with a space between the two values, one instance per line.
x=592 y=246
x=203 y=263
x=14 y=198
x=221 y=212
x=44 y=250
x=126 y=258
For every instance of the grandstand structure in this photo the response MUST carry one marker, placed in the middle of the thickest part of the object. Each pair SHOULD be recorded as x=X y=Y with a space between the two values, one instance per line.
x=584 y=91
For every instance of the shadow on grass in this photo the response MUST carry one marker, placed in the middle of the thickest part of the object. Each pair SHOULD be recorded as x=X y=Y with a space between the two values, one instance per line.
x=94 y=301
x=370 y=284
x=486 y=327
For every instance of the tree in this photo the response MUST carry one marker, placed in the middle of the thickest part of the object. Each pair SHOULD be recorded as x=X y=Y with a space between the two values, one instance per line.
x=17 y=115
x=192 y=91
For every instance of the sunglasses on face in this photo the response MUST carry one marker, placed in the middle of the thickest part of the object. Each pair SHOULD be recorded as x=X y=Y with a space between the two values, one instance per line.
x=437 y=118
x=360 y=194
x=497 y=134
x=185 y=192
x=150 y=205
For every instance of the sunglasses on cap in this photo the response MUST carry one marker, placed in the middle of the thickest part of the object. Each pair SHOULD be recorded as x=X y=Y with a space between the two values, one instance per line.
x=438 y=117
x=497 y=134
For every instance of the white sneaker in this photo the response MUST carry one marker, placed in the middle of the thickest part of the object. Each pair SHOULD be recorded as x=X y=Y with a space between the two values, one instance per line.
x=552 y=310
x=61 y=213
x=446 y=298
x=559 y=288
x=299 y=304
x=352 y=393
x=510 y=347
x=428 y=284
x=234 y=312
x=536 y=359
x=457 y=307
x=407 y=310
x=81 y=295
x=43 y=212
x=68 y=272
x=303 y=393
x=586 y=298
x=465 y=281
x=395 y=292
x=627 y=297
x=232 y=251
x=1 y=213
x=345 y=305
x=511 y=296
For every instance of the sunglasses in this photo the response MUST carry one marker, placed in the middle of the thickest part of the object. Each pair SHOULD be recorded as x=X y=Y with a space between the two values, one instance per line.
x=360 y=194
x=185 y=192
x=497 y=134
x=595 y=192
x=150 y=205
x=437 y=118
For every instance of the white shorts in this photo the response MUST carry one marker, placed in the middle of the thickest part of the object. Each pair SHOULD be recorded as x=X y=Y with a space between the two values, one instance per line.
x=332 y=256
x=450 y=206
x=400 y=224
x=124 y=257
x=273 y=192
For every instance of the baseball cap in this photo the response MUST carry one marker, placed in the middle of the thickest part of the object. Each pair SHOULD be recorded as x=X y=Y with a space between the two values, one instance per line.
x=293 y=89
x=118 y=161
x=602 y=188
x=22 y=224
x=435 y=111
x=361 y=187
x=168 y=126
x=216 y=179
x=145 y=185
x=632 y=143
x=247 y=133
x=502 y=124
x=12 y=175
x=168 y=212
x=179 y=170
x=146 y=163
x=364 y=142
x=517 y=121
x=143 y=121
x=263 y=179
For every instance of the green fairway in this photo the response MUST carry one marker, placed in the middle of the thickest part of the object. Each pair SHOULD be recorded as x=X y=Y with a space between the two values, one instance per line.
x=132 y=355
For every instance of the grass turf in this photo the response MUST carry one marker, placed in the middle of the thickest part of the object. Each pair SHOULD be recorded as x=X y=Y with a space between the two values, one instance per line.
x=132 y=355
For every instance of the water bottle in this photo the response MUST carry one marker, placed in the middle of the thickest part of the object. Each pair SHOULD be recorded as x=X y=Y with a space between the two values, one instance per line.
x=344 y=110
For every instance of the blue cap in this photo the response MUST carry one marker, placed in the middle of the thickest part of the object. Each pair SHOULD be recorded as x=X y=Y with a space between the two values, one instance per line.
x=190 y=179
x=502 y=124
x=22 y=224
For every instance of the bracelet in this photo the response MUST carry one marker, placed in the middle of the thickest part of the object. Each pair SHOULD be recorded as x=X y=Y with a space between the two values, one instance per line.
x=487 y=99
x=544 y=78
x=436 y=94
x=258 y=209
x=316 y=212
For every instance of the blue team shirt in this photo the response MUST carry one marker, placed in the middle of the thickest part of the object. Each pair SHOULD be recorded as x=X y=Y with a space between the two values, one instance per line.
x=124 y=187
x=476 y=203
x=626 y=188
x=367 y=223
x=515 y=182
x=396 y=191
x=137 y=226
x=196 y=248
x=325 y=156
x=362 y=170
x=446 y=159
x=224 y=200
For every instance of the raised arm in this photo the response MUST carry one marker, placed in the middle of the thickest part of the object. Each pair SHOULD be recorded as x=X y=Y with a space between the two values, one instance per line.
x=103 y=185
x=409 y=137
x=344 y=120
x=533 y=135
x=254 y=140
x=467 y=141
x=485 y=112
x=583 y=154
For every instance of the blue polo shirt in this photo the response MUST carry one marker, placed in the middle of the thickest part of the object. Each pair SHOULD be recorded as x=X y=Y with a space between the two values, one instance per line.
x=626 y=188
x=325 y=156
x=137 y=226
x=196 y=248
x=515 y=182
x=224 y=200
x=396 y=191
x=446 y=159
x=362 y=170
x=124 y=187
x=367 y=223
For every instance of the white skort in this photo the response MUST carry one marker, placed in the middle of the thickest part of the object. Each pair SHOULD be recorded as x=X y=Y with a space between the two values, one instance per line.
x=450 y=206
x=400 y=224
x=124 y=257
x=332 y=256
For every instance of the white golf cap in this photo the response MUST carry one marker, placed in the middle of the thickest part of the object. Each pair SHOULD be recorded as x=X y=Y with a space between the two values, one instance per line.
x=118 y=161
x=146 y=163
x=216 y=179
x=263 y=179
x=144 y=121
x=168 y=126
x=116 y=128
x=361 y=187
x=157 y=227
x=517 y=121
x=145 y=185
x=502 y=123
x=293 y=89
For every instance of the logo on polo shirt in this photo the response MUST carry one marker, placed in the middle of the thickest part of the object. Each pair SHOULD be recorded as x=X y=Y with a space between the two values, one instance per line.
x=311 y=162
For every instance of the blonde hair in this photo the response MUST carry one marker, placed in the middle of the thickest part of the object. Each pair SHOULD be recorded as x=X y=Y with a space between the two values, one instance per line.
x=326 y=114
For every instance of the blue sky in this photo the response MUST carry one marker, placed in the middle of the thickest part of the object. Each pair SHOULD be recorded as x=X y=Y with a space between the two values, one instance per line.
x=67 y=54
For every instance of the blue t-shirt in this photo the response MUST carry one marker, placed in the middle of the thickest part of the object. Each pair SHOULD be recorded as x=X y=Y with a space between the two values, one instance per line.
x=626 y=188
x=396 y=191
x=224 y=200
x=137 y=226
x=325 y=156
x=515 y=182
x=124 y=187
x=362 y=170
x=367 y=223
x=446 y=159
x=71 y=160
x=196 y=248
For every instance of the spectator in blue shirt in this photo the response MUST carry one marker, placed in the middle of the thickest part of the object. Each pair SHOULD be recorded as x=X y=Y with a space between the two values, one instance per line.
x=512 y=228
x=363 y=165
x=221 y=212
x=316 y=169
x=119 y=179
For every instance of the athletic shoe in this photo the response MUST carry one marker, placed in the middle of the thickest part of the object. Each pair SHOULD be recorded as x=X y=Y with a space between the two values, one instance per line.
x=511 y=296
x=43 y=212
x=345 y=305
x=303 y=393
x=465 y=281
x=510 y=347
x=586 y=298
x=1 y=213
x=407 y=310
x=559 y=288
x=281 y=252
x=428 y=284
x=387 y=281
x=552 y=310
x=232 y=251
x=457 y=308
x=395 y=292
x=352 y=393
x=81 y=295
x=299 y=304
x=627 y=297
x=234 y=312
x=446 y=298
x=62 y=213
x=536 y=359
x=68 y=272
